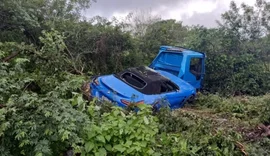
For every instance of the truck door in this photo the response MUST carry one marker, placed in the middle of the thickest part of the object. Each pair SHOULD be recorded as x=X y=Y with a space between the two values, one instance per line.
x=195 y=71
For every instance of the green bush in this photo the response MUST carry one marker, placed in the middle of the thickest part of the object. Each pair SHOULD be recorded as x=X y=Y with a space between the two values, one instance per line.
x=188 y=134
x=120 y=133
x=261 y=147
x=264 y=111
x=241 y=75
x=243 y=107
x=37 y=115
x=233 y=66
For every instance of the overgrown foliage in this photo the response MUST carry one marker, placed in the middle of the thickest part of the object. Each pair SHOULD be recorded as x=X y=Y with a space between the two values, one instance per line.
x=241 y=114
x=47 y=51
x=37 y=117
x=238 y=47
x=120 y=133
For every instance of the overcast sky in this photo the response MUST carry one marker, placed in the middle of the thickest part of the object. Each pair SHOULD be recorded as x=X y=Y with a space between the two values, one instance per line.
x=191 y=12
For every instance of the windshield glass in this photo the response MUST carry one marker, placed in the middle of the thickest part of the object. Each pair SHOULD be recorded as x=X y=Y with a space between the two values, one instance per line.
x=169 y=62
x=171 y=59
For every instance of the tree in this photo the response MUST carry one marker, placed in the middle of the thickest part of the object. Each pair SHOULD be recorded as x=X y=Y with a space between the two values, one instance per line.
x=138 y=21
x=250 y=24
x=238 y=48
x=26 y=19
x=164 y=32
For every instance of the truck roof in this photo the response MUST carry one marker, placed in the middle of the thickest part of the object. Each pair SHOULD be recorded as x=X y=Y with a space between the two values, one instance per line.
x=183 y=50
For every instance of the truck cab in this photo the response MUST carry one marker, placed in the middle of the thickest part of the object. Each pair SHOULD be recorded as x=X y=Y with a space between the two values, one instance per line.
x=188 y=65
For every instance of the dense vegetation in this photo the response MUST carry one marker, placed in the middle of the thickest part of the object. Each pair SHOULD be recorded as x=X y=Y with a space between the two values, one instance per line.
x=47 y=50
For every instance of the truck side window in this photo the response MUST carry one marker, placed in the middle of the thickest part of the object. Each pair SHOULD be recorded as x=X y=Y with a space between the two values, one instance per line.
x=196 y=67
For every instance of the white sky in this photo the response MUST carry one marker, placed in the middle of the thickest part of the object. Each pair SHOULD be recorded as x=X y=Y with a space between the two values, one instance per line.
x=191 y=12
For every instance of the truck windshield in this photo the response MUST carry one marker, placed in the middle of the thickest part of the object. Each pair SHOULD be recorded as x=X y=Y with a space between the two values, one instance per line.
x=172 y=59
x=169 y=62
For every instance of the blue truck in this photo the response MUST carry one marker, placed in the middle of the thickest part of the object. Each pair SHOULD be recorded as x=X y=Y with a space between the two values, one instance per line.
x=174 y=77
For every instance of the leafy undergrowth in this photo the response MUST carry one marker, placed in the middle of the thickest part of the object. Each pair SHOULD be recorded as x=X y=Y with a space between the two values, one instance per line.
x=43 y=113
x=116 y=131
x=247 y=117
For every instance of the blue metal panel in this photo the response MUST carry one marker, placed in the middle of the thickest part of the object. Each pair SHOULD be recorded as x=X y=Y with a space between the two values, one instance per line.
x=178 y=66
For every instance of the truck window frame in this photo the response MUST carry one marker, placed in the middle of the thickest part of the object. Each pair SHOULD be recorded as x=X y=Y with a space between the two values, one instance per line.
x=195 y=67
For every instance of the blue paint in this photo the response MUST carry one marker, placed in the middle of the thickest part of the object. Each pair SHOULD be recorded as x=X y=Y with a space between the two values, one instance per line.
x=177 y=61
x=171 y=62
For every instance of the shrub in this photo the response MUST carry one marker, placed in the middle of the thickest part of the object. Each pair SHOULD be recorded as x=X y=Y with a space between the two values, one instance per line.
x=120 y=132
x=244 y=107
x=185 y=133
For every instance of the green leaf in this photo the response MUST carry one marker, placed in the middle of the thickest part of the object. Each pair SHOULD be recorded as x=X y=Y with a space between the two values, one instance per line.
x=121 y=131
x=108 y=147
x=39 y=154
x=143 y=143
x=102 y=152
x=123 y=114
x=128 y=143
x=138 y=148
x=150 y=151
x=156 y=154
x=89 y=146
x=21 y=60
x=101 y=138
x=145 y=119
x=130 y=150
x=108 y=137
x=120 y=148
x=65 y=135
x=80 y=100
